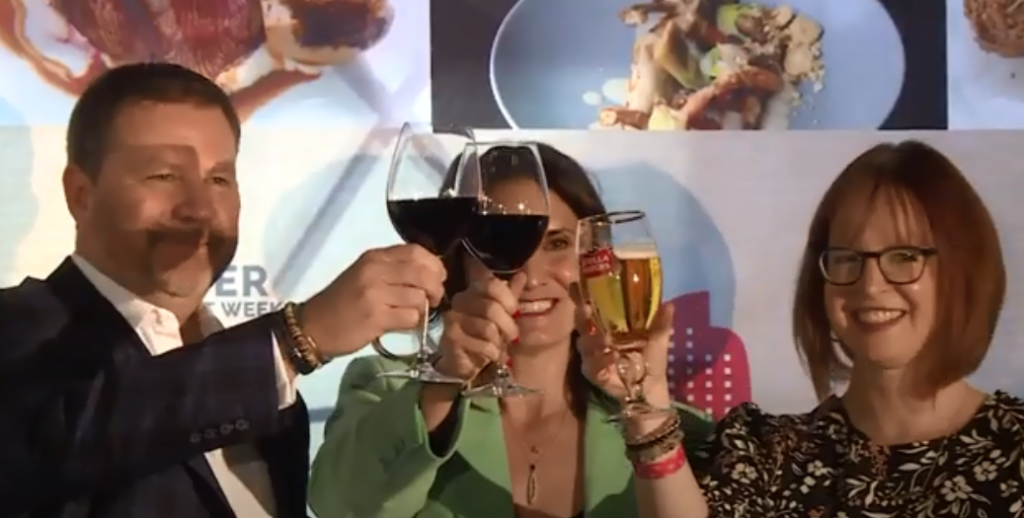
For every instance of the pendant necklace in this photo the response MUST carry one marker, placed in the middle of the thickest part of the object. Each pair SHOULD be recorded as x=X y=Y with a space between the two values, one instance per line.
x=535 y=453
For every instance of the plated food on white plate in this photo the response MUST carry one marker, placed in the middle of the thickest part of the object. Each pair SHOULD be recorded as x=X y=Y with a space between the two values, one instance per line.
x=717 y=64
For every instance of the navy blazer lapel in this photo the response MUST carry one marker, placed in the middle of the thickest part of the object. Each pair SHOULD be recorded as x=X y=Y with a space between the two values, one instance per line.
x=89 y=308
x=110 y=335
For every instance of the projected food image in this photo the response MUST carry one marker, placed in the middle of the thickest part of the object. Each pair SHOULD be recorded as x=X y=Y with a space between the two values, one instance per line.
x=255 y=49
x=985 y=64
x=998 y=25
x=712 y=64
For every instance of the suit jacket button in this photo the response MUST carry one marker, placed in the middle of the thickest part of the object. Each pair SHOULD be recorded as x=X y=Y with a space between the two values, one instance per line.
x=242 y=425
x=195 y=438
x=211 y=433
x=225 y=429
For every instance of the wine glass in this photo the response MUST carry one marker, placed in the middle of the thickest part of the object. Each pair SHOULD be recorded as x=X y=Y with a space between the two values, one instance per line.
x=510 y=223
x=424 y=214
x=620 y=278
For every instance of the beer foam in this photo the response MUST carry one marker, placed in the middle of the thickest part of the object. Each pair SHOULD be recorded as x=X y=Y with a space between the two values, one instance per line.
x=641 y=251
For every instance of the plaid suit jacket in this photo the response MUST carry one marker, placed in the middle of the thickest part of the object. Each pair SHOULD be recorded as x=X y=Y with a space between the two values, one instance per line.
x=92 y=426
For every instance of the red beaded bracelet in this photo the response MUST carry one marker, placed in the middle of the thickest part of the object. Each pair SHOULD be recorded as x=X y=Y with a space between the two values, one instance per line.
x=663 y=467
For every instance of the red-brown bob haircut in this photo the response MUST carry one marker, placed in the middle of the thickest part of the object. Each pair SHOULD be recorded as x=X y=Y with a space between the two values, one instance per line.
x=971 y=278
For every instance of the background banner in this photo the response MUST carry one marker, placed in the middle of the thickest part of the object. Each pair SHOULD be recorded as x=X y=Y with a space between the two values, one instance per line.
x=574 y=64
x=730 y=212
x=285 y=62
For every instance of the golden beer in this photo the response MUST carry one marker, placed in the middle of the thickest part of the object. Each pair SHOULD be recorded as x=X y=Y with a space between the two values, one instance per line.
x=623 y=287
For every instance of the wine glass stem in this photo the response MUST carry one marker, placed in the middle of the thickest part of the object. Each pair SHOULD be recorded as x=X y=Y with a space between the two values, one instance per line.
x=503 y=375
x=423 y=353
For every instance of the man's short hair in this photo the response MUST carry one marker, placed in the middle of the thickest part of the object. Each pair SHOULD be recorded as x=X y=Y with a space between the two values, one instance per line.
x=93 y=116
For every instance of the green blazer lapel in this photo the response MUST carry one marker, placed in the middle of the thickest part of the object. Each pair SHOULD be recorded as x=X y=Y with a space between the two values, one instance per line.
x=482 y=447
x=607 y=474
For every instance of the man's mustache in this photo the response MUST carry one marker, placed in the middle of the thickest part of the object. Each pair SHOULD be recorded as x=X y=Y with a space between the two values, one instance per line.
x=219 y=244
x=198 y=235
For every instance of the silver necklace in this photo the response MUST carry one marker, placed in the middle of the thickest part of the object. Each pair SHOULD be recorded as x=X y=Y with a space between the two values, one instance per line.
x=535 y=453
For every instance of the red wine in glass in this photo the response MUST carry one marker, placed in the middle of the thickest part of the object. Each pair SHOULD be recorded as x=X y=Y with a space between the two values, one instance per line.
x=510 y=223
x=427 y=212
x=505 y=242
x=436 y=224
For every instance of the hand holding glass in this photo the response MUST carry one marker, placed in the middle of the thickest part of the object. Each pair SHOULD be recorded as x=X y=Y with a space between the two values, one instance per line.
x=424 y=214
x=509 y=225
x=620 y=278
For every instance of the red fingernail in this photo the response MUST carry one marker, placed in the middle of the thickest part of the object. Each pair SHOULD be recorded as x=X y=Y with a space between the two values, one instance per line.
x=516 y=314
x=508 y=362
x=515 y=340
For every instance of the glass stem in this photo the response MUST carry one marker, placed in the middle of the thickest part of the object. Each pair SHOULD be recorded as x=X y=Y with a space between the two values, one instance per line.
x=503 y=374
x=626 y=370
x=634 y=394
x=423 y=353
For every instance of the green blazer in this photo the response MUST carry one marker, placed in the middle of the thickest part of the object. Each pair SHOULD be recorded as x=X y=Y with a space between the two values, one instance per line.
x=376 y=462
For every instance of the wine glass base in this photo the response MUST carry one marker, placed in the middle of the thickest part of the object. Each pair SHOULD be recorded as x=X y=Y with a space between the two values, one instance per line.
x=500 y=390
x=633 y=411
x=424 y=373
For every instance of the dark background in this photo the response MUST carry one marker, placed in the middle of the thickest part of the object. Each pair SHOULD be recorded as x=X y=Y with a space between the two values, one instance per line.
x=462 y=32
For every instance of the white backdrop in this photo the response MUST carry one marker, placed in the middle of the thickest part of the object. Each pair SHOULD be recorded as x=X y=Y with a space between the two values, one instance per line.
x=731 y=211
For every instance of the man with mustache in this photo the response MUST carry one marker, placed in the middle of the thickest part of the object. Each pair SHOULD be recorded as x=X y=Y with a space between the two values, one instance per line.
x=120 y=395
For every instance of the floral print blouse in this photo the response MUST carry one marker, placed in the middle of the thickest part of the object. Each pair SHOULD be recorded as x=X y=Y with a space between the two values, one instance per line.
x=818 y=465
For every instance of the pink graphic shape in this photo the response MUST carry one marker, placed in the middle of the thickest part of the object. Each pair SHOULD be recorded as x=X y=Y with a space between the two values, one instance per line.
x=708 y=367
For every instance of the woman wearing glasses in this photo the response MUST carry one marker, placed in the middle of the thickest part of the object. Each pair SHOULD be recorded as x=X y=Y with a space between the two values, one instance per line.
x=903 y=275
x=398 y=449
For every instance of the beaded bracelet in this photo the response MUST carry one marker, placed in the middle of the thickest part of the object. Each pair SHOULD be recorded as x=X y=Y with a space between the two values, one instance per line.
x=302 y=350
x=661 y=468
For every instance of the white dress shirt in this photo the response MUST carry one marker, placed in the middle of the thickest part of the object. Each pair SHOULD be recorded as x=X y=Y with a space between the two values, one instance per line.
x=239 y=470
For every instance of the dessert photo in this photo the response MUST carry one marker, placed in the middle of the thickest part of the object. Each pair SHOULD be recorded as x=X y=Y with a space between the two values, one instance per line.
x=697 y=64
x=985 y=63
x=339 y=59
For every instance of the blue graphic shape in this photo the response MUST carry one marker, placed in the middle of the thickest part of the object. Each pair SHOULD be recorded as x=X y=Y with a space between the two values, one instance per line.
x=18 y=204
x=303 y=239
x=694 y=253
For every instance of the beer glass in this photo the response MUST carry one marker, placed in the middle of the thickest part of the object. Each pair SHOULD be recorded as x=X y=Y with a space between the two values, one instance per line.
x=620 y=278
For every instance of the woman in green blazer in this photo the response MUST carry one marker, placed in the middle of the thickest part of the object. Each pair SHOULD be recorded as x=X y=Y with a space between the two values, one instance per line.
x=400 y=449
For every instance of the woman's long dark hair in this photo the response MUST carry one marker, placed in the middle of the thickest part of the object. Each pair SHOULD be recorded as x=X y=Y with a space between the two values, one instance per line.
x=566 y=178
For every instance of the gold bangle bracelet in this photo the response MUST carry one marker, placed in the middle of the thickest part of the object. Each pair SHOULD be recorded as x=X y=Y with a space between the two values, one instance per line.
x=663 y=430
x=656 y=450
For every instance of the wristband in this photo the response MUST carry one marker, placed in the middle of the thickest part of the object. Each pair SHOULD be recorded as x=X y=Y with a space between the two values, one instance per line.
x=661 y=468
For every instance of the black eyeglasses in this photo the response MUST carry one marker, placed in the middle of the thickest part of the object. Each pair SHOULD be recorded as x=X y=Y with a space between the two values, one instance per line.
x=899 y=265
